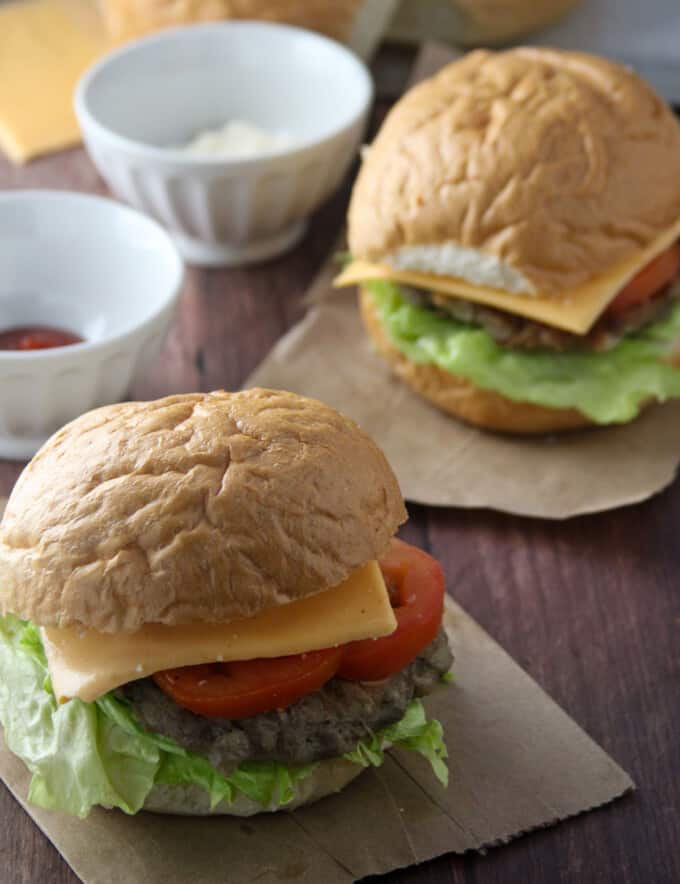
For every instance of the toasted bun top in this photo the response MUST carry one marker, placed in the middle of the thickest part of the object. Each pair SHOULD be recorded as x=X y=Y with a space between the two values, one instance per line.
x=531 y=170
x=202 y=507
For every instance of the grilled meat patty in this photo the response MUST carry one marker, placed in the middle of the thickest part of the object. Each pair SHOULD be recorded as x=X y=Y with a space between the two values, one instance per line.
x=516 y=332
x=324 y=724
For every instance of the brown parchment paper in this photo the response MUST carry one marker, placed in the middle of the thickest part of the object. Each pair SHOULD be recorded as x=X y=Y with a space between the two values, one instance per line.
x=442 y=462
x=517 y=762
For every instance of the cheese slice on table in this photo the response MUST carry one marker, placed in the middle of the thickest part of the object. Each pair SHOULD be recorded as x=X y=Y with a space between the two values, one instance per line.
x=575 y=310
x=87 y=664
x=45 y=45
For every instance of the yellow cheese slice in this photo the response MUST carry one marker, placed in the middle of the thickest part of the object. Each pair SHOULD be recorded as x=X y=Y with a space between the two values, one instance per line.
x=87 y=664
x=574 y=311
x=45 y=45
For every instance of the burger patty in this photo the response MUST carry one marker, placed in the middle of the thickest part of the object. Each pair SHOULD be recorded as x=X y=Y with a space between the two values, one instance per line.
x=516 y=332
x=324 y=724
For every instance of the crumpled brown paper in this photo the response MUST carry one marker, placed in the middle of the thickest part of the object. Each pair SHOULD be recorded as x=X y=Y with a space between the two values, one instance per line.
x=517 y=762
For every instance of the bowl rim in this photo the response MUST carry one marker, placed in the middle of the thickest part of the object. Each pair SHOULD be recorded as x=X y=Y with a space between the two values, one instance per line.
x=21 y=357
x=88 y=120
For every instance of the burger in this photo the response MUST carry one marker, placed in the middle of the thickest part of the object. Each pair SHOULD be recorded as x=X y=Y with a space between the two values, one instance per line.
x=126 y=19
x=204 y=609
x=514 y=234
x=476 y=22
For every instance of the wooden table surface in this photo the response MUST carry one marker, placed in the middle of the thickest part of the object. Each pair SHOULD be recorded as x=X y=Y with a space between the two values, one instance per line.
x=589 y=607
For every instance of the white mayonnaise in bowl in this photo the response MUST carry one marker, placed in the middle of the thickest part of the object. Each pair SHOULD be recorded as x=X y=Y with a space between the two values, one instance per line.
x=302 y=98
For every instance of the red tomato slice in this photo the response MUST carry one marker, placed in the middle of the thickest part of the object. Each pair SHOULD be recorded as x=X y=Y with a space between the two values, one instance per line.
x=416 y=585
x=245 y=688
x=650 y=280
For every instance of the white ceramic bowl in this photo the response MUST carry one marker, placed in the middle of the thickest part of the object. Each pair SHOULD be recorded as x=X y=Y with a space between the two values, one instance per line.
x=93 y=267
x=139 y=102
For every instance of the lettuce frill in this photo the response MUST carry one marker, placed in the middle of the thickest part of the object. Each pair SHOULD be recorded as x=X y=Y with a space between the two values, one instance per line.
x=608 y=387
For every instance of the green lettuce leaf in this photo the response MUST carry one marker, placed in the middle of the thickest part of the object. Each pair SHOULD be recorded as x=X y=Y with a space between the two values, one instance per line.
x=83 y=754
x=413 y=732
x=77 y=758
x=608 y=387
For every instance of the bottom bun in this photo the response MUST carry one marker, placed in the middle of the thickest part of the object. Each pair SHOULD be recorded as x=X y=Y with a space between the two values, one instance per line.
x=460 y=397
x=328 y=777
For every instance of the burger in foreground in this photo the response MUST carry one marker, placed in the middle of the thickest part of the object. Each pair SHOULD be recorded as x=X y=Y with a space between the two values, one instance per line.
x=514 y=230
x=195 y=620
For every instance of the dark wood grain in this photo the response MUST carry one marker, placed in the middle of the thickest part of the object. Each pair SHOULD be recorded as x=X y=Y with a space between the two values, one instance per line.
x=589 y=607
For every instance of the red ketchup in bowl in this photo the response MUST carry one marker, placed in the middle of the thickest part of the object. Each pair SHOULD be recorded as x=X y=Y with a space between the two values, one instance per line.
x=36 y=337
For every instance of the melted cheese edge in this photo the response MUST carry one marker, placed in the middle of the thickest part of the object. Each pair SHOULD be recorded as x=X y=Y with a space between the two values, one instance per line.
x=575 y=310
x=87 y=664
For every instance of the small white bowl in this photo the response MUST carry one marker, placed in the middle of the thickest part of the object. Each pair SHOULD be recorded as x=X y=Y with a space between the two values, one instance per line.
x=140 y=102
x=95 y=268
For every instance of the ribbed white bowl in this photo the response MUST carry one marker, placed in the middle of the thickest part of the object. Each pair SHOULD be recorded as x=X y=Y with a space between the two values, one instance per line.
x=93 y=267
x=140 y=102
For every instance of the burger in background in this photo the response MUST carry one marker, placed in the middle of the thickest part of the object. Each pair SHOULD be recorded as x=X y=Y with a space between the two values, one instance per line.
x=475 y=22
x=514 y=233
x=195 y=620
x=127 y=19
x=462 y=22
